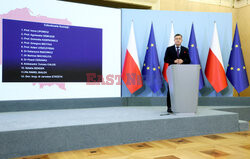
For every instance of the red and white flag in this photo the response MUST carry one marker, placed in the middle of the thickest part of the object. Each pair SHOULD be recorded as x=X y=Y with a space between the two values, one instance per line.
x=214 y=70
x=131 y=72
x=170 y=43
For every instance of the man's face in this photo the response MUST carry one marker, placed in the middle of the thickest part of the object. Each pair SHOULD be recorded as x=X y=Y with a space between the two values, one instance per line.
x=178 y=40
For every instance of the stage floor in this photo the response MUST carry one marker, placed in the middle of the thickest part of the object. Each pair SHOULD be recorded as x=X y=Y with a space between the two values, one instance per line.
x=12 y=121
x=48 y=131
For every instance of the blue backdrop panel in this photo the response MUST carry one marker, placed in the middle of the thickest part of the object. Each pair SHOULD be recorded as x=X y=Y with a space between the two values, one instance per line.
x=203 y=25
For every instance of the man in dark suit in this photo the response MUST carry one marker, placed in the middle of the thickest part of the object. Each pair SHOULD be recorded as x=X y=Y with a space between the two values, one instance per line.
x=176 y=54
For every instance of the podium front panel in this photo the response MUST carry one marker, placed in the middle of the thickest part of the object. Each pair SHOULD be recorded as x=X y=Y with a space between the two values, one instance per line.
x=183 y=83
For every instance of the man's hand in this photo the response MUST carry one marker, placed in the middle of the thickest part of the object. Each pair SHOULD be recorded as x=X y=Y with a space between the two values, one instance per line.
x=178 y=61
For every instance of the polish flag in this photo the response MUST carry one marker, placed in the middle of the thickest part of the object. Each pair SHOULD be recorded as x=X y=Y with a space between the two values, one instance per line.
x=170 y=43
x=214 y=70
x=131 y=73
x=171 y=37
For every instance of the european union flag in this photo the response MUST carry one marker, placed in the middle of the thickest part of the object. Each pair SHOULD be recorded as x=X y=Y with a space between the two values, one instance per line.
x=194 y=55
x=151 y=71
x=236 y=70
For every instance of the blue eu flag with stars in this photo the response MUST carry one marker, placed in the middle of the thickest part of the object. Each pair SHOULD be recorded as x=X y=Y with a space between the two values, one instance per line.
x=151 y=71
x=236 y=70
x=194 y=55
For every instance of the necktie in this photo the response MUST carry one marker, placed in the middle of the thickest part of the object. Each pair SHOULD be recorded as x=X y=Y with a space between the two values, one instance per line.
x=178 y=51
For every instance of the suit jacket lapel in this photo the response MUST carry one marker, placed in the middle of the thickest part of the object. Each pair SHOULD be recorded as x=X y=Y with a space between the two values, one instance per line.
x=181 y=52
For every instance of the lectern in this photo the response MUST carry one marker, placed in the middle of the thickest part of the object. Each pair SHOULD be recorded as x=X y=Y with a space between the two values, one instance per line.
x=183 y=83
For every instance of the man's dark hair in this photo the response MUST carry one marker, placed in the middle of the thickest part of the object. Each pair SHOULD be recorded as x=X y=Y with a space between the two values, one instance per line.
x=178 y=35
